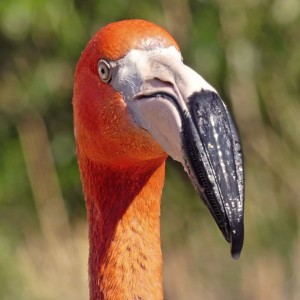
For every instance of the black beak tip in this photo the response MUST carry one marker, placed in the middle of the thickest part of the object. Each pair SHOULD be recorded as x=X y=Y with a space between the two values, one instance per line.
x=235 y=255
x=215 y=163
x=237 y=240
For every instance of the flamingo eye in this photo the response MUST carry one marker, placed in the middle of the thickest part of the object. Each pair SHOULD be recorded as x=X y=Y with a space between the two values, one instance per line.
x=104 y=70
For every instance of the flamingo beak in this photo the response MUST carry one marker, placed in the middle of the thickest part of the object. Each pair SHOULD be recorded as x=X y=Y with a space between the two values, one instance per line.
x=187 y=117
x=214 y=163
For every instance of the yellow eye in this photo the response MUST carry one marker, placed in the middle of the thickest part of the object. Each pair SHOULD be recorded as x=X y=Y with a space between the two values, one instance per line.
x=104 y=70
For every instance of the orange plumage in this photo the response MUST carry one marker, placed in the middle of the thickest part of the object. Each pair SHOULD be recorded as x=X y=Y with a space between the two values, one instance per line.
x=122 y=170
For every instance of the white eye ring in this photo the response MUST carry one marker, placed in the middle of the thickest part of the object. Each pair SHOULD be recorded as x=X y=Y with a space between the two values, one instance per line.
x=104 y=70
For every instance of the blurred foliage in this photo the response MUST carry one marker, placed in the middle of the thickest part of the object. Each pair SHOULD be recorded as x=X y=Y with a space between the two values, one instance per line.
x=249 y=50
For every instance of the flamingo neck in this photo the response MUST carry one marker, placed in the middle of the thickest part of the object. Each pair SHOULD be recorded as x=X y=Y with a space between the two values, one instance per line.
x=123 y=208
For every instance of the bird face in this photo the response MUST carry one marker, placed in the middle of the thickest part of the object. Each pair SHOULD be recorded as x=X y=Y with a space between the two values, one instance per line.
x=105 y=128
x=135 y=99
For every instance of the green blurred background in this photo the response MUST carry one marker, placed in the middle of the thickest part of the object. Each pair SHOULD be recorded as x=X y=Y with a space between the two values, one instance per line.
x=249 y=50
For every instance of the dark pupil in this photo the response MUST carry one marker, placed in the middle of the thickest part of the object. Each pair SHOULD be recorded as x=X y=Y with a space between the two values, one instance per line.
x=103 y=71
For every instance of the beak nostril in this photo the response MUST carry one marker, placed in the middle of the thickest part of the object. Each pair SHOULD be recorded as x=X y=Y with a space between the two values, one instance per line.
x=165 y=82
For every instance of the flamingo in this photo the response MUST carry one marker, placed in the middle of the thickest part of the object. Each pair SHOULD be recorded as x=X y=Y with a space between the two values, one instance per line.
x=135 y=102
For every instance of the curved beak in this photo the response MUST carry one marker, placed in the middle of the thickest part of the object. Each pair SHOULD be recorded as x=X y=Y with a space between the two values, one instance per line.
x=192 y=124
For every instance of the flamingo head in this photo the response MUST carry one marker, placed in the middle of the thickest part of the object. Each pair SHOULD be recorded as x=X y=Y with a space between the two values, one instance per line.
x=104 y=123
x=135 y=100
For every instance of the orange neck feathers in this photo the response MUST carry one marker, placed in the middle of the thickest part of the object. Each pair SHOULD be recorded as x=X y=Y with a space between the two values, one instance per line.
x=123 y=206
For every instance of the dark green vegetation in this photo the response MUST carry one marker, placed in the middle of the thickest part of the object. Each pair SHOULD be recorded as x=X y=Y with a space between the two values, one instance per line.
x=249 y=50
